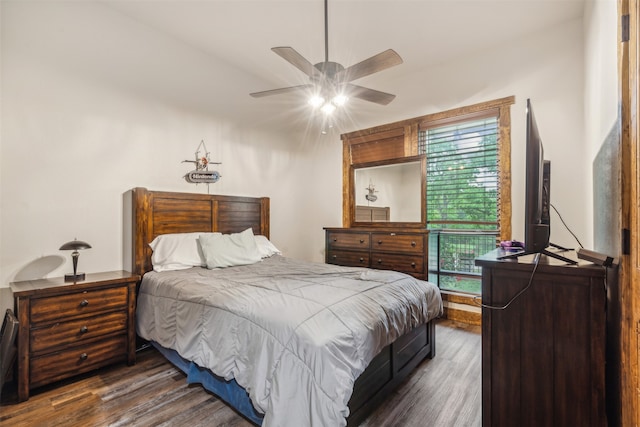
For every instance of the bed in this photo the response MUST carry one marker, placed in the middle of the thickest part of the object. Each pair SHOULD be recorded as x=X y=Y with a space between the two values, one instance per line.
x=284 y=342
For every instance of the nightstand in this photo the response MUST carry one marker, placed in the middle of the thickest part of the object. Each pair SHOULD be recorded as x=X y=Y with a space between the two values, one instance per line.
x=70 y=328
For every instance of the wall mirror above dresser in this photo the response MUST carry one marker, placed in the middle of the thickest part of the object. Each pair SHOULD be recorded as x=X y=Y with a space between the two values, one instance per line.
x=390 y=192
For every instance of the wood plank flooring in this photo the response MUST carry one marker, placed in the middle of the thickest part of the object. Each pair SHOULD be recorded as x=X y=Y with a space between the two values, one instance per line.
x=442 y=392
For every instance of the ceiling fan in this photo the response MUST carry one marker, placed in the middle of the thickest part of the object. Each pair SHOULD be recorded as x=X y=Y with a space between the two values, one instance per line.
x=331 y=82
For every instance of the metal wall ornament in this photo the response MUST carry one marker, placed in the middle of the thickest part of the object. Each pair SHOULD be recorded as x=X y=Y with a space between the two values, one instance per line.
x=370 y=196
x=201 y=174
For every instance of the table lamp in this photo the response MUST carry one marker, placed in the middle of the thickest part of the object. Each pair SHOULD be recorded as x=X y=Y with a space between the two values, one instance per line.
x=74 y=246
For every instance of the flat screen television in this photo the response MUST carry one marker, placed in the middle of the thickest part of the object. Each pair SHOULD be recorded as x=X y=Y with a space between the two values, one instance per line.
x=537 y=220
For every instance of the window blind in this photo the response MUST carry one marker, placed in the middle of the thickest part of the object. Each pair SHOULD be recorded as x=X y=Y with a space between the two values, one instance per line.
x=462 y=174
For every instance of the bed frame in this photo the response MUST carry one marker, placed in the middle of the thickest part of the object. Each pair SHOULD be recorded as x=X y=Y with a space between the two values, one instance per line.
x=158 y=212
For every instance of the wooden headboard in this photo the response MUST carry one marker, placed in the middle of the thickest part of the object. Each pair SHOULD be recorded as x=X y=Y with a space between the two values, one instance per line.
x=161 y=212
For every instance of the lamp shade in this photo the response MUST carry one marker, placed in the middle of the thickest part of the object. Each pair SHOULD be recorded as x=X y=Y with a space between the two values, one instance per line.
x=74 y=246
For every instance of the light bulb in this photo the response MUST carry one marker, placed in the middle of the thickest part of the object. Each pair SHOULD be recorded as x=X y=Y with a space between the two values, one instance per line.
x=328 y=108
x=316 y=101
x=340 y=100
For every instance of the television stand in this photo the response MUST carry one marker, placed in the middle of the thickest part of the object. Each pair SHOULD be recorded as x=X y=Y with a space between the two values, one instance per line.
x=543 y=357
x=555 y=255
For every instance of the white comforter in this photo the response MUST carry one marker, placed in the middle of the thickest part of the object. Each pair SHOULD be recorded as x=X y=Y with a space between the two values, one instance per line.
x=294 y=334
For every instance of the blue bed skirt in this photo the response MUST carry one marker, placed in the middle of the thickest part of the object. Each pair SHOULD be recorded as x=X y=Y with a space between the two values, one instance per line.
x=229 y=391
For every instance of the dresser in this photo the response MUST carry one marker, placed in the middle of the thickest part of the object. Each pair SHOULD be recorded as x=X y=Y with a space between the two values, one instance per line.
x=71 y=328
x=543 y=356
x=386 y=249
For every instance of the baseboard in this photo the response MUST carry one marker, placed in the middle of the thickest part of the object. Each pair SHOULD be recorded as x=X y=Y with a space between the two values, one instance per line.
x=462 y=308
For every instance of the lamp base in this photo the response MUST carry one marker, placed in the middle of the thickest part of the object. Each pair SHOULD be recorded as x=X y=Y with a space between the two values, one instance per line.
x=74 y=277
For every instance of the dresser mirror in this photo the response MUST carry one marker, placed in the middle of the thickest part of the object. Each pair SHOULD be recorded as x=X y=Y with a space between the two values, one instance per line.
x=390 y=193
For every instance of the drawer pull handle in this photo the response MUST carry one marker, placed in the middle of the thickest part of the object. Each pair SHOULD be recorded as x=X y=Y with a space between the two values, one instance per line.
x=334 y=256
x=84 y=303
x=379 y=261
x=379 y=242
x=361 y=240
x=413 y=264
x=361 y=259
x=84 y=330
x=84 y=356
x=335 y=239
x=413 y=244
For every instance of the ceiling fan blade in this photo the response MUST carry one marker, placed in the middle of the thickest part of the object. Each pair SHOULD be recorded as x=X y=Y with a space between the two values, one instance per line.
x=379 y=62
x=280 y=91
x=370 y=95
x=294 y=58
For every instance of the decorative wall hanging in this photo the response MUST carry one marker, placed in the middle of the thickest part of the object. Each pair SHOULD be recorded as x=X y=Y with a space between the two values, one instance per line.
x=202 y=174
x=371 y=192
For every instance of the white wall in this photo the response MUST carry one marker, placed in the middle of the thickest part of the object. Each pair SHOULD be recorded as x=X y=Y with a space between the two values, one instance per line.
x=601 y=72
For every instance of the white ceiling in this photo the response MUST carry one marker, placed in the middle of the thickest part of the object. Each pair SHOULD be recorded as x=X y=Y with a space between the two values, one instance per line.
x=240 y=33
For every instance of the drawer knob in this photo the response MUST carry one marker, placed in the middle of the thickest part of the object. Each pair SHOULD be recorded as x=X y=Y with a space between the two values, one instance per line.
x=84 y=330
x=335 y=257
x=413 y=264
x=361 y=259
x=379 y=261
x=361 y=240
x=84 y=356
x=379 y=242
x=335 y=239
x=84 y=303
x=413 y=244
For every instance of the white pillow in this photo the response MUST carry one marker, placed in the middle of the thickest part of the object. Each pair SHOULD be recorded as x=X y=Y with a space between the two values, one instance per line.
x=177 y=251
x=265 y=247
x=228 y=250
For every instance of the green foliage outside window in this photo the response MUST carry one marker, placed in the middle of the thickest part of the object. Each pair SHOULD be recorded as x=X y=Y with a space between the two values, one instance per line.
x=462 y=195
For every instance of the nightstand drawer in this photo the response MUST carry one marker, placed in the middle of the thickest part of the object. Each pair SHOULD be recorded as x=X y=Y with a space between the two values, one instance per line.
x=392 y=242
x=348 y=240
x=70 y=305
x=405 y=263
x=76 y=331
x=76 y=360
x=349 y=259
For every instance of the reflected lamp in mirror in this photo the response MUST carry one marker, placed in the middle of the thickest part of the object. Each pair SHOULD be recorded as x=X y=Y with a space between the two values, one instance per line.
x=74 y=245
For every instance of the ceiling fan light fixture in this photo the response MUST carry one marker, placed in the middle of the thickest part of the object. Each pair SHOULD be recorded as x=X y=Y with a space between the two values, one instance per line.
x=329 y=78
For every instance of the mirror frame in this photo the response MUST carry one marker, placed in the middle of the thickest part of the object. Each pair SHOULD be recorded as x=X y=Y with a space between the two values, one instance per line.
x=351 y=199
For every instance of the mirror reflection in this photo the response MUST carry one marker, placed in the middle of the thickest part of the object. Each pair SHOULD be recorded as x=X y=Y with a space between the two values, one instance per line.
x=388 y=193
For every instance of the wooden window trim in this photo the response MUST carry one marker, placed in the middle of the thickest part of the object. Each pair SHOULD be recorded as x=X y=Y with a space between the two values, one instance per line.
x=410 y=128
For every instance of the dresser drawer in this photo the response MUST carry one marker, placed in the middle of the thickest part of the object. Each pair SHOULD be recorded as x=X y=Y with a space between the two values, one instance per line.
x=52 y=308
x=348 y=240
x=409 y=264
x=76 y=360
x=391 y=242
x=76 y=331
x=348 y=258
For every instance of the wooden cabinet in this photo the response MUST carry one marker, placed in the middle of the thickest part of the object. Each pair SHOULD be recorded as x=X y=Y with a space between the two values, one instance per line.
x=543 y=356
x=404 y=251
x=71 y=328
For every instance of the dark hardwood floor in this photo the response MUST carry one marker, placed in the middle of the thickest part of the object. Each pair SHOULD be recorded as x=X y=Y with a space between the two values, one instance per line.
x=444 y=391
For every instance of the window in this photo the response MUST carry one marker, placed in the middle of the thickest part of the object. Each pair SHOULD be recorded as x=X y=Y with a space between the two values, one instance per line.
x=467 y=191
